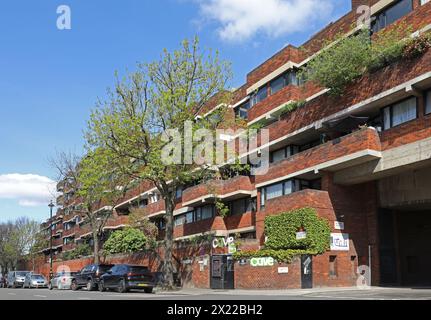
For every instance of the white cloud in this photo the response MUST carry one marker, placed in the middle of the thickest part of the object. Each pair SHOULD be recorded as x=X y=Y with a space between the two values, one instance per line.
x=242 y=19
x=29 y=190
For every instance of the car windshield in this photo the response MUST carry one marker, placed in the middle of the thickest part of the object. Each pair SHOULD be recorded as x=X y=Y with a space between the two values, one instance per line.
x=138 y=269
x=37 y=277
x=105 y=268
x=21 y=274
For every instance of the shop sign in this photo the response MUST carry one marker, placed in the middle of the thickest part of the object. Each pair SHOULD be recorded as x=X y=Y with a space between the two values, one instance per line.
x=283 y=270
x=231 y=248
x=301 y=235
x=338 y=225
x=262 y=262
x=340 y=242
x=222 y=242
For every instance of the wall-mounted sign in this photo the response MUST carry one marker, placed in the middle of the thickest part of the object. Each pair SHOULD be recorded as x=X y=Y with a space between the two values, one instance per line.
x=222 y=242
x=338 y=225
x=231 y=248
x=283 y=270
x=340 y=242
x=262 y=262
x=242 y=262
x=301 y=235
x=187 y=261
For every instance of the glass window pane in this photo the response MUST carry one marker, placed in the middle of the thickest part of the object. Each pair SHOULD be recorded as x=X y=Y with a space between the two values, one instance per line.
x=238 y=206
x=189 y=217
x=387 y=118
x=288 y=187
x=391 y=14
x=274 y=191
x=278 y=155
x=404 y=111
x=261 y=94
x=428 y=102
x=207 y=212
x=277 y=84
x=292 y=78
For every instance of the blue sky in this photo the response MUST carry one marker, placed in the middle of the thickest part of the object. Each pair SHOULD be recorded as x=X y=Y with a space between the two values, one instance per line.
x=50 y=78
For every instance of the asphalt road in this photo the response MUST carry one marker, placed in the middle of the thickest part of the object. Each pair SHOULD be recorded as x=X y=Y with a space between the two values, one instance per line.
x=197 y=294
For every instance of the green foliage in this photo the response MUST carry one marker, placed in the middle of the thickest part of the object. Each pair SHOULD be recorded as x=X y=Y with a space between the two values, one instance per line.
x=341 y=63
x=279 y=255
x=417 y=46
x=292 y=106
x=222 y=209
x=126 y=241
x=82 y=250
x=350 y=57
x=281 y=231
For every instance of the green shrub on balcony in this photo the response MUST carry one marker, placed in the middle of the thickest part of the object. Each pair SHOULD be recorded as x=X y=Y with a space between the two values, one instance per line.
x=82 y=250
x=351 y=57
x=126 y=241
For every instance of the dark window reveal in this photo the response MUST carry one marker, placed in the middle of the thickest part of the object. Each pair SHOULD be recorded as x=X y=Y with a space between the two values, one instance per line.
x=392 y=14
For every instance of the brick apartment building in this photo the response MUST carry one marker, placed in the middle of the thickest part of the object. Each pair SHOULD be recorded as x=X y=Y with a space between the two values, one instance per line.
x=373 y=184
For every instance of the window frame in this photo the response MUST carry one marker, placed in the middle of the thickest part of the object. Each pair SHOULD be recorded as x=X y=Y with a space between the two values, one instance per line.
x=427 y=102
x=383 y=14
x=391 y=106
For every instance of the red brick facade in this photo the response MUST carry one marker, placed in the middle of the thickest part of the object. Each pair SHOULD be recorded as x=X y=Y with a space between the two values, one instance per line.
x=356 y=206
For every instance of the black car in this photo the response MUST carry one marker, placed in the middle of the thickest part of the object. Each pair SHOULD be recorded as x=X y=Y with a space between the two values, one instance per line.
x=124 y=277
x=89 y=276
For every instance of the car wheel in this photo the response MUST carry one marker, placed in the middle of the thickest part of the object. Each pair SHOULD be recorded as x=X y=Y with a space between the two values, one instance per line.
x=148 y=290
x=122 y=286
x=74 y=285
x=90 y=285
x=101 y=286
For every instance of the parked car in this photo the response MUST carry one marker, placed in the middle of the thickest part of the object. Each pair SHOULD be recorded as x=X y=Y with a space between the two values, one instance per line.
x=2 y=281
x=62 y=281
x=124 y=277
x=89 y=276
x=33 y=280
x=15 y=279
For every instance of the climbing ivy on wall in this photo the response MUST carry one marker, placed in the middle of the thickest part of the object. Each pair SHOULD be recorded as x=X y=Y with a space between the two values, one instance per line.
x=282 y=243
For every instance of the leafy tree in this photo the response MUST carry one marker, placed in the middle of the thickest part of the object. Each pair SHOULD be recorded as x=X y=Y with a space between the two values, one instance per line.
x=95 y=184
x=126 y=241
x=159 y=96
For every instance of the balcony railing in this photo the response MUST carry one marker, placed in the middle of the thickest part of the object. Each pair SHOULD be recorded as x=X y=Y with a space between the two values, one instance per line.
x=231 y=189
x=356 y=148
x=116 y=222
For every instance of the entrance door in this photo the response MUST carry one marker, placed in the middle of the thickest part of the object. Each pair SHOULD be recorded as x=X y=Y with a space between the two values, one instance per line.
x=306 y=271
x=222 y=272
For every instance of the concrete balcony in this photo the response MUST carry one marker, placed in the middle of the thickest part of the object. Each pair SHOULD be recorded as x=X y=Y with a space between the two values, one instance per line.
x=83 y=231
x=116 y=223
x=226 y=190
x=70 y=232
x=155 y=209
x=356 y=148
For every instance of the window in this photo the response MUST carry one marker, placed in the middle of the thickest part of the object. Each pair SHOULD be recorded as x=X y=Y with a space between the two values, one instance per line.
x=392 y=14
x=274 y=191
x=178 y=192
x=428 y=102
x=242 y=110
x=207 y=212
x=278 y=84
x=399 y=113
x=260 y=95
x=242 y=206
x=201 y=213
x=283 y=153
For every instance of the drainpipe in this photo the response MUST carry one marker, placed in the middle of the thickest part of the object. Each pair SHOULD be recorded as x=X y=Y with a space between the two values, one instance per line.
x=369 y=261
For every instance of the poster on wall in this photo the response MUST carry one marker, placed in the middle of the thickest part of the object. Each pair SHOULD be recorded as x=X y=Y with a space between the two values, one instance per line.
x=340 y=242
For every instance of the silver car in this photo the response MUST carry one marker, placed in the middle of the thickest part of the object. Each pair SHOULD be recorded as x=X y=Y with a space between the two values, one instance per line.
x=33 y=280
x=15 y=279
x=62 y=281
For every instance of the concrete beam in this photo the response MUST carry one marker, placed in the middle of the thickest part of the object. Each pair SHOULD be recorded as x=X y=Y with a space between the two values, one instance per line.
x=393 y=161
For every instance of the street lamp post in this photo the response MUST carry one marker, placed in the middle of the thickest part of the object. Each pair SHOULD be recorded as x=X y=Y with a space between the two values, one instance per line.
x=51 y=206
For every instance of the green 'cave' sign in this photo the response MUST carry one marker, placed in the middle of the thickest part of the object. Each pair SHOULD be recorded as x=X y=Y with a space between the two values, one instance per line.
x=262 y=262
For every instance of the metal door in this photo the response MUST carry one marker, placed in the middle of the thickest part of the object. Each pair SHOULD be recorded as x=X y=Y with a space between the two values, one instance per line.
x=222 y=272
x=306 y=271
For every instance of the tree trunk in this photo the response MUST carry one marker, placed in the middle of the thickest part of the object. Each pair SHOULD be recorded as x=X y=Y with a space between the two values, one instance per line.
x=96 y=246
x=168 y=268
